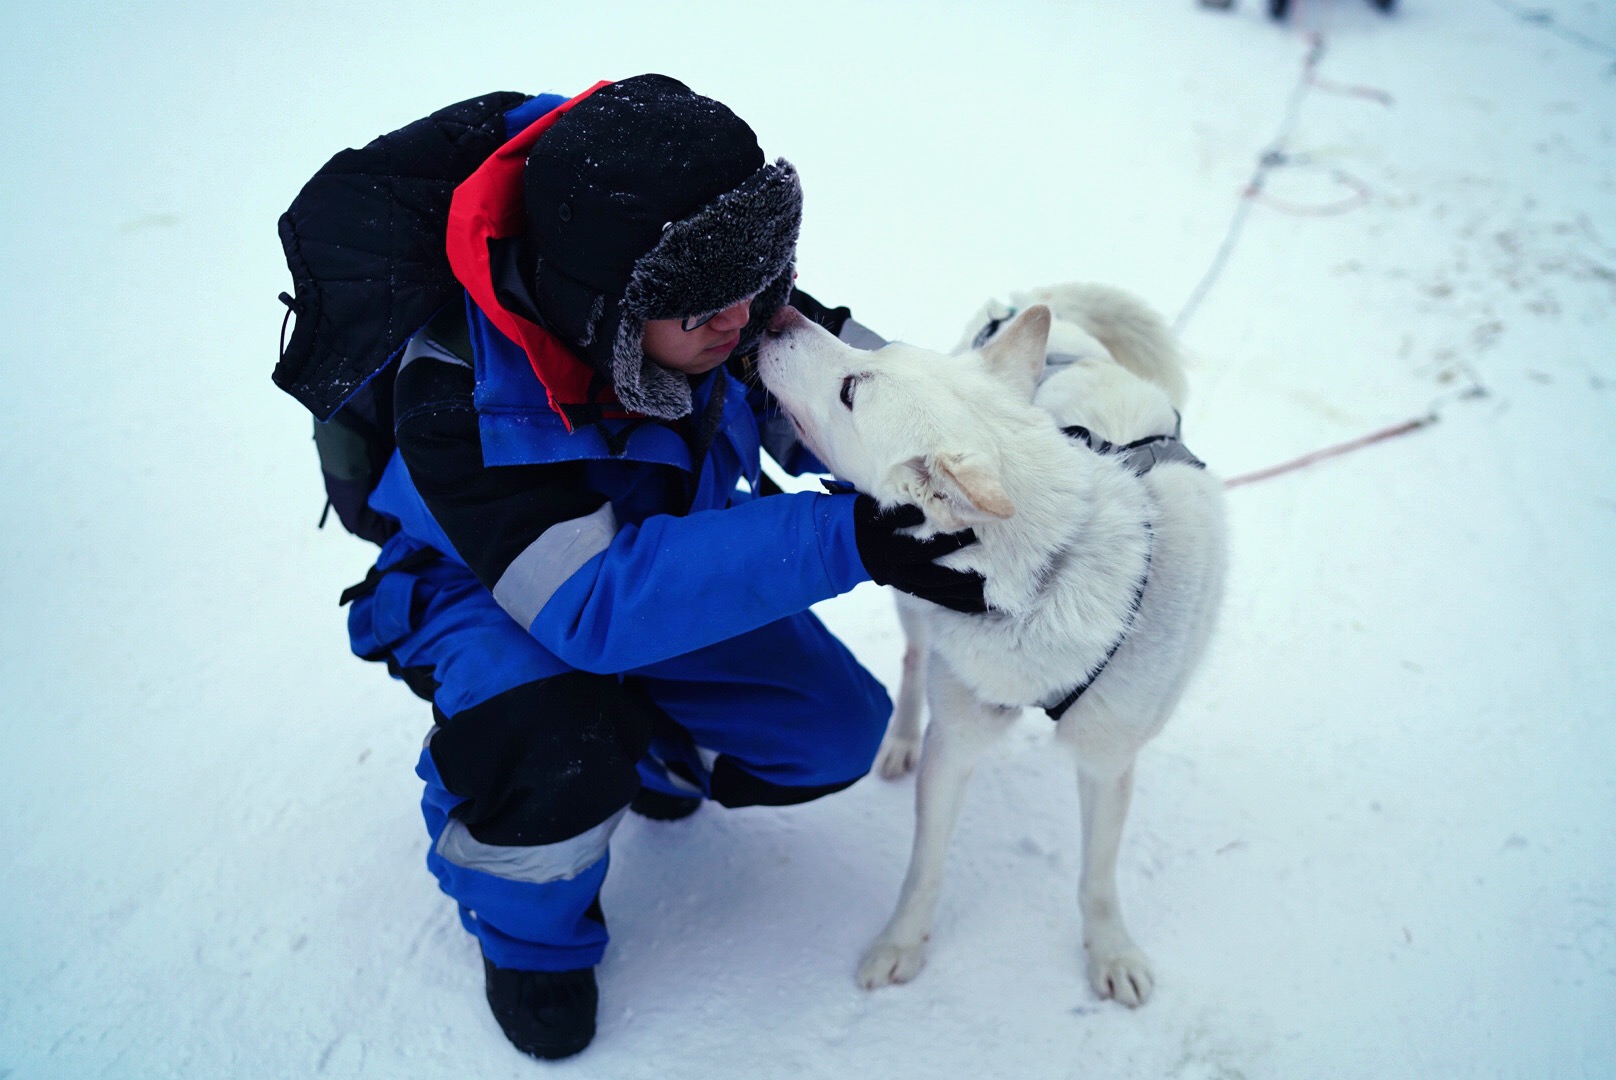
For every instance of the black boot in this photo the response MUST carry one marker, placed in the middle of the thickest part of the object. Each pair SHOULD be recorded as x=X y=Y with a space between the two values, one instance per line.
x=660 y=807
x=548 y=1014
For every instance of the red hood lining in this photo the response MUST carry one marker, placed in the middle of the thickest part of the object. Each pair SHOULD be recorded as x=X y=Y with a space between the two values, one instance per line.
x=488 y=206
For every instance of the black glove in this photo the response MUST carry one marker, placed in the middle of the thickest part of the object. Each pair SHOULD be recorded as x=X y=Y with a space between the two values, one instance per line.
x=828 y=317
x=910 y=565
x=838 y=321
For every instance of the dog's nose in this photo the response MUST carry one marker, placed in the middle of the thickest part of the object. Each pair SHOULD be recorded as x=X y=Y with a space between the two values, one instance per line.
x=784 y=319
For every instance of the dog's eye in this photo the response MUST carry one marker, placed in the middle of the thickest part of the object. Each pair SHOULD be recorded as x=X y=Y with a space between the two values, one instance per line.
x=847 y=391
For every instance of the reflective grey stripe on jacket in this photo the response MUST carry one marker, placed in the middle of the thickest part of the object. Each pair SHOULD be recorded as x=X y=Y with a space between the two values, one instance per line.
x=533 y=576
x=533 y=865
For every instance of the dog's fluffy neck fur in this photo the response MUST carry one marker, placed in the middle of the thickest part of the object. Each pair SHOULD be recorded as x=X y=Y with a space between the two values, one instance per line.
x=1065 y=570
x=1076 y=512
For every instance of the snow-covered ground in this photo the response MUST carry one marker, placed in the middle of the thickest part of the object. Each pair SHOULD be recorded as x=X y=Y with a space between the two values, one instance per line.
x=1379 y=839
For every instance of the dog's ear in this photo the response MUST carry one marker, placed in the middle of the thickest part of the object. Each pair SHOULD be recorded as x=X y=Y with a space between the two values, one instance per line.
x=955 y=490
x=972 y=481
x=1017 y=353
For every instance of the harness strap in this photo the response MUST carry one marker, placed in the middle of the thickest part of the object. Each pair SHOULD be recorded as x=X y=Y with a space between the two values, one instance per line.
x=1141 y=456
x=1057 y=710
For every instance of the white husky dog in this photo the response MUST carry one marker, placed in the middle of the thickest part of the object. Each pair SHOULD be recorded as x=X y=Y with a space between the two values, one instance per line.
x=1102 y=546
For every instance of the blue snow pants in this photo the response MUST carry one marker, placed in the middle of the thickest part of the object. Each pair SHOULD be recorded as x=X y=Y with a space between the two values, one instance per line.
x=531 y=766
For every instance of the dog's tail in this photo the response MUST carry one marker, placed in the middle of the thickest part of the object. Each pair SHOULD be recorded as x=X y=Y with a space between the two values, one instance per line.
x=1130 y=330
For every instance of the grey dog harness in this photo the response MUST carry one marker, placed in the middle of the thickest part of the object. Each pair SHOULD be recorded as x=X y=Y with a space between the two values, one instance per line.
x=1140 y=456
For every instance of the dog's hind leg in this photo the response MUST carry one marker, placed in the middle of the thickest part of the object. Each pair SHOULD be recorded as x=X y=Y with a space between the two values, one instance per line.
x=900 y=750
x=961 y=729
x=1116 y=967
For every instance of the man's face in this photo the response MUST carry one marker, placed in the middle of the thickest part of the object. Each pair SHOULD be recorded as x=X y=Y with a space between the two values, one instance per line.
x=698 y=351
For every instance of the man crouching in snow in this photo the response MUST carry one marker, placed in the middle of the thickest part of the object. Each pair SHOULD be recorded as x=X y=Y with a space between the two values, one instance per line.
x=601 y=612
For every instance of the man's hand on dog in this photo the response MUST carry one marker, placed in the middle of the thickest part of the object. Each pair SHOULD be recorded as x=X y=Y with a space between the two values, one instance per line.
x=910 y=564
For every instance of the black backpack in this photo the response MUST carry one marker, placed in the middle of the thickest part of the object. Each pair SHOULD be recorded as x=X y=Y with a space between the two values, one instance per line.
x=364 y=240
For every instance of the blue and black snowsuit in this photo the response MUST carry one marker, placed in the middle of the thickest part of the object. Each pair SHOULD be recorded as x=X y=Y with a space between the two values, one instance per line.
x=592 y=607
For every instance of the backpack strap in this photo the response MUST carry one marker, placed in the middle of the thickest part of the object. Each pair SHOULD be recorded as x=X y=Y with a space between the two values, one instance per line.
x=410 y=563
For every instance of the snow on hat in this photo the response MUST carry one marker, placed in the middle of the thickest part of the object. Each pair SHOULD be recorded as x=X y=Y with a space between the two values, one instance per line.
x=649 y=201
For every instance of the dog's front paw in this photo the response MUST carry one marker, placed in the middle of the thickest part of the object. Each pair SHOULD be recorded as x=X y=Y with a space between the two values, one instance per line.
x=1123 y=975
x=887 y=962
x=897 y=757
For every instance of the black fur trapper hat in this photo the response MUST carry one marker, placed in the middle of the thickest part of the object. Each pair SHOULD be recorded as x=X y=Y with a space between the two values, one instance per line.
x=649 y=201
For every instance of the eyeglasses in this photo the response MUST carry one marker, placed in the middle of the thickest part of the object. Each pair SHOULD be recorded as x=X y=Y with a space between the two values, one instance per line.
x=696 y=322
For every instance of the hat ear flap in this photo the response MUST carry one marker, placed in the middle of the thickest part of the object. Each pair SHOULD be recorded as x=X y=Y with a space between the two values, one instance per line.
x=742 y=244
x=734 y=246
x=641 y=383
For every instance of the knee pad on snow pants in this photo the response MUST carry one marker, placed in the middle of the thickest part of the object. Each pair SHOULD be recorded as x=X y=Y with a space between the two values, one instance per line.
x=524 y=790
x=546 y=760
